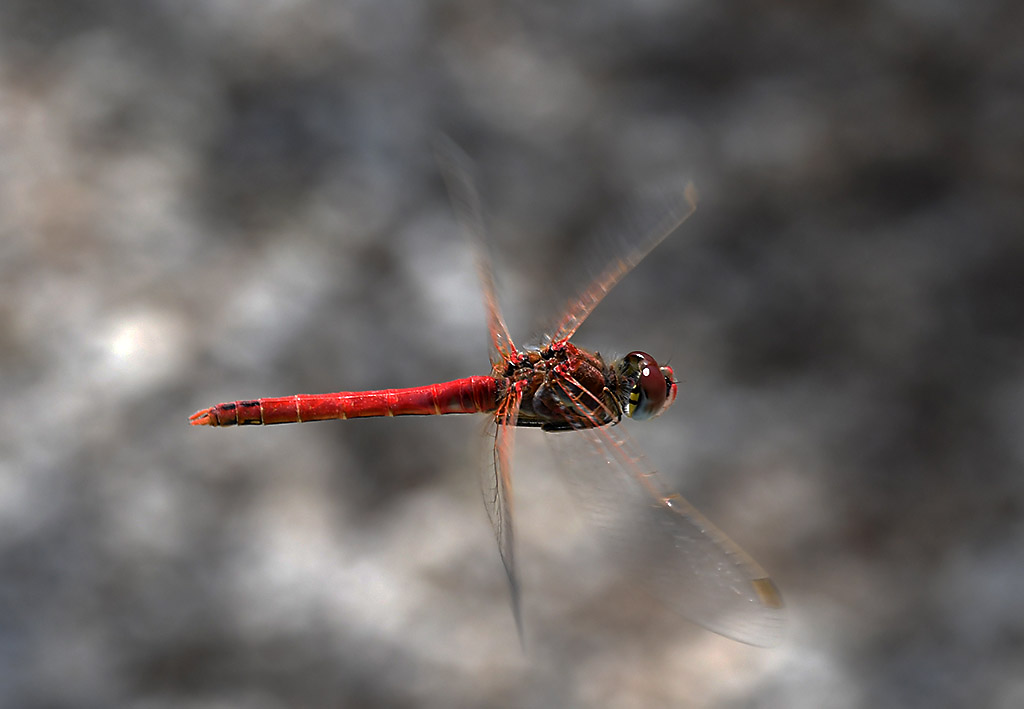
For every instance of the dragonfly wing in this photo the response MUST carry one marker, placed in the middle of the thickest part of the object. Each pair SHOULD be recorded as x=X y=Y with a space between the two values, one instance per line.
x=667 y=547
x=496 y=483
x=674 y=211
x=457 y=170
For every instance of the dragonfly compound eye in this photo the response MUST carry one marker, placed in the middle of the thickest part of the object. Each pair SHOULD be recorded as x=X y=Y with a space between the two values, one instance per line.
x=649 y=388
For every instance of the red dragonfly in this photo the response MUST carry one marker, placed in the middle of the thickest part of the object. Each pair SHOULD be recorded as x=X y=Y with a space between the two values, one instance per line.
x=669 y=549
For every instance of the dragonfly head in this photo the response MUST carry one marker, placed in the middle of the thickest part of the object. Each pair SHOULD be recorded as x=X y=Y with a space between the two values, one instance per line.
x=648 y=388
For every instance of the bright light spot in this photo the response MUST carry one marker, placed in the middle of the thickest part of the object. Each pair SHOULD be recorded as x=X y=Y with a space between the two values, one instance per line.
x=139 y=350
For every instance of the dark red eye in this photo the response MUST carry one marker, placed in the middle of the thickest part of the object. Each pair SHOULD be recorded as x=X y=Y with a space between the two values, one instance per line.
x=650 y=386
x=670 y=382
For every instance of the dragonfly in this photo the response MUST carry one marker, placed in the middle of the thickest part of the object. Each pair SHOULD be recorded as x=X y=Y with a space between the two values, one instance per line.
x=669 y=549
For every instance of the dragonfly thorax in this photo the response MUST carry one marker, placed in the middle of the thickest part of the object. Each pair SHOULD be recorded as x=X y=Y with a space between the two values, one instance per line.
x=564 y=387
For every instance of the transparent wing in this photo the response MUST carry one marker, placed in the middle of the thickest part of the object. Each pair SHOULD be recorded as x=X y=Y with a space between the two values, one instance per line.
x=633 y=251
x=457 y=170
x=496 y=484
x=668 y=548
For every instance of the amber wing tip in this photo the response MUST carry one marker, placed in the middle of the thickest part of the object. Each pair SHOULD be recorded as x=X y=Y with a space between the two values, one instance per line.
x=690 y=193
x=768 y=593
x=202 y=418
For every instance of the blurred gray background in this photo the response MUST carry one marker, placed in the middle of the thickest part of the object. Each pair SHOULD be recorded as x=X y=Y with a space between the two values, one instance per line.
x=203 y=202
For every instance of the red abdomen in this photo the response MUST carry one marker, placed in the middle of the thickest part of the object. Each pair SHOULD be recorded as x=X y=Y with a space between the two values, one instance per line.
x=462 y=396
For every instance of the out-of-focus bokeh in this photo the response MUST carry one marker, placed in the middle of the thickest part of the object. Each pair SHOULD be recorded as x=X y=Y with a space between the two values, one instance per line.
x=203 y=202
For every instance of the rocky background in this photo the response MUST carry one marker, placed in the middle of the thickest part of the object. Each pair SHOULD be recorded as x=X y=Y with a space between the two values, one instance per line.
x=210 y=201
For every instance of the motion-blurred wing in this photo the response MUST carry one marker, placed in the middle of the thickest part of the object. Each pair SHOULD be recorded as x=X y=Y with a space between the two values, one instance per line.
x=632 y=249
x=457 y=170
x=496 y=483
x=669 y=548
